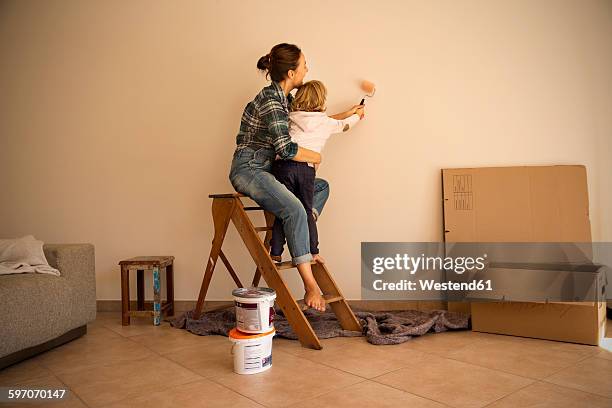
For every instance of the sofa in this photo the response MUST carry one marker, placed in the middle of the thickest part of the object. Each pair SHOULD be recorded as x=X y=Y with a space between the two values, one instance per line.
x=42 y=311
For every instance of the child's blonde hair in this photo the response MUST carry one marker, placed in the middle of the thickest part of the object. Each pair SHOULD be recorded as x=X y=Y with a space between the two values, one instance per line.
x=310 y=97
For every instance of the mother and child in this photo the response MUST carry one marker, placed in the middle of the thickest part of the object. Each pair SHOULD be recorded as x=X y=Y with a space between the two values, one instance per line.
x=278 y=152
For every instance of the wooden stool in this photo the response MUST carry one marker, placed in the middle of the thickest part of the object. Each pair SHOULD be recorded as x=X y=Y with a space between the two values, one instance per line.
x=141 y=264
x=229 y=207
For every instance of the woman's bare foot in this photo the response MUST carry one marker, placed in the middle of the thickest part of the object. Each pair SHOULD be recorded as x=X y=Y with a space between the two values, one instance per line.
x=314 y=300
x=318 y=258
x=312 y=297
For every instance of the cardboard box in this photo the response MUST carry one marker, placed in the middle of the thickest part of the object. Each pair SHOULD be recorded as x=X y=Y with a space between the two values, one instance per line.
x=569 y=283
x=523 y=204
x=578 y=322
x=574 y=323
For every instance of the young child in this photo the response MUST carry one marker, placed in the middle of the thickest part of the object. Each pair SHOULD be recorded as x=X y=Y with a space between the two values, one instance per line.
x=309 y=127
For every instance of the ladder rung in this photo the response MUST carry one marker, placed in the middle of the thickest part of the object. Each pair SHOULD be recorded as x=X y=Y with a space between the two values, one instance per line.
x=258 y=229
x=252 y=208
x=328 y=299
x=288 y=265
x=332 y=299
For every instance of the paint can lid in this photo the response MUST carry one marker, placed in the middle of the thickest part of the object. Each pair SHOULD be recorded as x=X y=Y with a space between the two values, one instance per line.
x=238 y=335
x=253 y=292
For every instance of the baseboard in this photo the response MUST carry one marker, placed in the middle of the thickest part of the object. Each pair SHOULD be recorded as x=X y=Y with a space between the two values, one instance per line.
x=179 y=305
x=375 y=305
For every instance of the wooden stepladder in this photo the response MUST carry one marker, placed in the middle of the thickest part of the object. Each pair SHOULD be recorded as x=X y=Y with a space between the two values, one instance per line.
x=226 y=207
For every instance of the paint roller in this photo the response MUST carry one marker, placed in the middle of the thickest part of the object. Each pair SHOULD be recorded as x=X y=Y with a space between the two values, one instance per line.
x=369 y=88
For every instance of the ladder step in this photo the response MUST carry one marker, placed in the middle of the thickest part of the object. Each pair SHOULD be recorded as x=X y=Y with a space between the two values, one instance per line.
x=332 y=298
x=288 y=265
x=328 y=299
x=252 y=208
x=259 y=229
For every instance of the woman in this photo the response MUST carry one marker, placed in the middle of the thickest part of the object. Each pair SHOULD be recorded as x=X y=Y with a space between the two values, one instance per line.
x=264 y=134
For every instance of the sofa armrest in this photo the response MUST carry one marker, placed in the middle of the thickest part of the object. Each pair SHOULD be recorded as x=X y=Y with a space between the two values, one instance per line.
x=76 y=262
x=72 y=260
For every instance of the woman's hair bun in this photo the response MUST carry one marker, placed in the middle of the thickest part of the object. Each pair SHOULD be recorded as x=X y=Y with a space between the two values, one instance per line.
x=281 y=58
x=264 y=63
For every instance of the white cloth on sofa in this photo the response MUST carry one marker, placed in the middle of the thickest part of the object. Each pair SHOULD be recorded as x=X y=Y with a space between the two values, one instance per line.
x=24 y=255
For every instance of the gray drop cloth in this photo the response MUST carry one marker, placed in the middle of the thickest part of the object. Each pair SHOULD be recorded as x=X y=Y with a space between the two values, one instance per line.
x=389 y=327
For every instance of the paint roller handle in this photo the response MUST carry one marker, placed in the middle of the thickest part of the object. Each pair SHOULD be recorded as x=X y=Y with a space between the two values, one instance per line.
x=359 y=110
x=355 y=108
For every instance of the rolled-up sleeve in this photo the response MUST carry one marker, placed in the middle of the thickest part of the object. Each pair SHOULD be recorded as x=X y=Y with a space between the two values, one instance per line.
x=276 y=119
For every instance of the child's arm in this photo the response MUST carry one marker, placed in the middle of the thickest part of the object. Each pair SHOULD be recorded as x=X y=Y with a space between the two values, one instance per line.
x=342 y=125
x=348 y=113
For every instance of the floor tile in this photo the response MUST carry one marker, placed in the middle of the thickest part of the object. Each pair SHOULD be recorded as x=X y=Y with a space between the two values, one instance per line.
x=445 y=342
x=521 y=356
x=169 y=339
x=544 y=395
x=605 y=354
x=290 y=380
x=25 y=370
x=111 y=383
x=368 y=394
x=211 y=357
x=592 y=375
x=453 y=382
x=99 y=331
x=137 y=326
x=605 y=348
x=361 y=358
x=198 y=394
x=91 y=351
x=294 y=347
x=48 y=382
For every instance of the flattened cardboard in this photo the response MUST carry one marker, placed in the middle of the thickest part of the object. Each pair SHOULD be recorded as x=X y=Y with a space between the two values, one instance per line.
x=523 y=204
x=516 y=204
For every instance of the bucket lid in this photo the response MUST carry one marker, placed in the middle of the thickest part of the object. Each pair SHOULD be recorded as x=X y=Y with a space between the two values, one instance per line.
x=253 y=292
x=237 y=334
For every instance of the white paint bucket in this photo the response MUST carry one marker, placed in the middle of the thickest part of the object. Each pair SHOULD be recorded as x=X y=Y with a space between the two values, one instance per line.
x=252 y=352
x=254 y=309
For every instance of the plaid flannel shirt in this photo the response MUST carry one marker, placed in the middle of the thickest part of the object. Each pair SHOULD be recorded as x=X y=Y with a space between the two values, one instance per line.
x=265 y=123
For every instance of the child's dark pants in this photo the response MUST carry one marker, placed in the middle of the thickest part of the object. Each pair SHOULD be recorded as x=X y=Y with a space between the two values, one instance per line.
x=298 y=177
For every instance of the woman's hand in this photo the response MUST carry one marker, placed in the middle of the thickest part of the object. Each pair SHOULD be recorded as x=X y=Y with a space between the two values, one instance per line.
x=306 y=155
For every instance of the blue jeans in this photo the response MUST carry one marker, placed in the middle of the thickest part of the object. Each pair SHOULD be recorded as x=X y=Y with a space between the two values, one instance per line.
x=250 y=175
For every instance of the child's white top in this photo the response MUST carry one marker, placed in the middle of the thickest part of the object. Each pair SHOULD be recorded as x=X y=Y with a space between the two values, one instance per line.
x=312 y=129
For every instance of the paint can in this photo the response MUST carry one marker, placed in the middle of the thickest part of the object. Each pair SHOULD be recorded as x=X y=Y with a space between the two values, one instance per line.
x=252 y=352
x=254 y=309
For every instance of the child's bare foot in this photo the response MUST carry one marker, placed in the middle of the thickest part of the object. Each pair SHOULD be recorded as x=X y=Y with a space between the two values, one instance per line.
x=314 y=300
x=318 y=258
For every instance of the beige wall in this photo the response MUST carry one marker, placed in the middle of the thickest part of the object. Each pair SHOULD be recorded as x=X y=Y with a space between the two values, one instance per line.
x=117 y=119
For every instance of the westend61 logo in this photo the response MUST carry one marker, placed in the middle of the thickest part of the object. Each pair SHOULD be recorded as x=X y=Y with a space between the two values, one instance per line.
x=413 y=264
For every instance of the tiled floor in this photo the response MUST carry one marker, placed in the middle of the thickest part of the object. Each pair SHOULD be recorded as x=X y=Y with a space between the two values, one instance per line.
x=142 y=365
